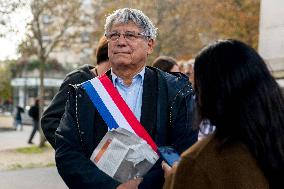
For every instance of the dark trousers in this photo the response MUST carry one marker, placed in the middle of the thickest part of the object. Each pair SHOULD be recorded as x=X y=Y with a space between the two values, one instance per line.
x=35 y=128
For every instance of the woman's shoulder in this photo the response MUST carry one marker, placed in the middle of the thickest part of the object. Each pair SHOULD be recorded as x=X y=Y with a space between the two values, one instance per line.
x=79 y=75
x=82 y=70
x=211 y=148
x=197 y=149
x=231 y=163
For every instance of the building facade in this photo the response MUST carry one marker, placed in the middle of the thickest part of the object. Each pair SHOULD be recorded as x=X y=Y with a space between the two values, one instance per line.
x=26 y=86
x=271 y=37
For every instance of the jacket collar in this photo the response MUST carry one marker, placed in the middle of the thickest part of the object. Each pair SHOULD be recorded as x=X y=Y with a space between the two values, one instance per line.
x=149 y=101
x=148 y=109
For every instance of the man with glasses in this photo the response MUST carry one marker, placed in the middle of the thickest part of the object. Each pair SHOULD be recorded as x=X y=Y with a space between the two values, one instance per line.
x=160 y=102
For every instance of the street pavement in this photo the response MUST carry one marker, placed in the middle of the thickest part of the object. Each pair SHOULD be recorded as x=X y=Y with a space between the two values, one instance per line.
x=11 y=139
x=44 y=178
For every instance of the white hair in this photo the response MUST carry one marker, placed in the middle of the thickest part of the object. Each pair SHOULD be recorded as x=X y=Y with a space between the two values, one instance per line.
x=126 y=15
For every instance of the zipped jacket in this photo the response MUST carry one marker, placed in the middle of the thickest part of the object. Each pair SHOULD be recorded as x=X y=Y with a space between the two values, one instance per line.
x=166 y=114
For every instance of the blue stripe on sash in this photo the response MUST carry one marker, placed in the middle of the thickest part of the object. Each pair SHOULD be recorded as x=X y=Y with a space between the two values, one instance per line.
x=97 y=101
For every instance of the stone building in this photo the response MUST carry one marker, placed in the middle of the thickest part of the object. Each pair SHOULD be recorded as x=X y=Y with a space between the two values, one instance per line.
x=271 y=37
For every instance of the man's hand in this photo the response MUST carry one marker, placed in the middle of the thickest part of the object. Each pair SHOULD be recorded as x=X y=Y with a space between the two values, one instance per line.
x=131 y=184
x=168 y=170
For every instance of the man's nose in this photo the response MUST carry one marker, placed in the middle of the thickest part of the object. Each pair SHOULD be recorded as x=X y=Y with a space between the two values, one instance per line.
x=121 y=39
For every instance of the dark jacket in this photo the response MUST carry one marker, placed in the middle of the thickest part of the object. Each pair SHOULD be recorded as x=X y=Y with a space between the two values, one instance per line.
x=34 y=112
x=52 y=115
x=19 y=110
x=165 y=114
x=207 y=165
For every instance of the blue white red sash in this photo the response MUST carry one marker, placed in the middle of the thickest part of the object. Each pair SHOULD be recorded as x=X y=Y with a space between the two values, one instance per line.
x=113 y=108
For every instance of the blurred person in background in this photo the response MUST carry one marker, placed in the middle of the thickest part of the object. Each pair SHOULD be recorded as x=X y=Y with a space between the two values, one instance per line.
x=238 y=94
x=52 y=115
x=188 y=70
x=166 y=63
x=34 y=114
x=169 y=64
x=18 y=118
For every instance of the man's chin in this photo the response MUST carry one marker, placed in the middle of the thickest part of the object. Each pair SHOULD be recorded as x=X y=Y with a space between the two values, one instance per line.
x=121 y=61
x=122 y=56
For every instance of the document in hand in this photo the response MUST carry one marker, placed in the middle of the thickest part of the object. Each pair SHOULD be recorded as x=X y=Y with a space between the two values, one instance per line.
x=123 y=155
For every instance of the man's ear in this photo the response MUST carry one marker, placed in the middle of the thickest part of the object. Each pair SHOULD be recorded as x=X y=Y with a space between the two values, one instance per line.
x=150 y=45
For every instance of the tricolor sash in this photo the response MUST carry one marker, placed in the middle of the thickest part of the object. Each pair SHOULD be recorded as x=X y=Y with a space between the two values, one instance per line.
x=113 y=109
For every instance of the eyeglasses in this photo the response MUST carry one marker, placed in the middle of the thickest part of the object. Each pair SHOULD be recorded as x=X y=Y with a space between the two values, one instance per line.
x=187 y=73
x=128 y=35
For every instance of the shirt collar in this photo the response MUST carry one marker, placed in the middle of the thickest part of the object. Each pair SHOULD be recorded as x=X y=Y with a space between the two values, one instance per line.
x=115 y=78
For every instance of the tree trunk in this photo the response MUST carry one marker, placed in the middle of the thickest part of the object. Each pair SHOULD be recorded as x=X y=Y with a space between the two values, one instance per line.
x=41 y=98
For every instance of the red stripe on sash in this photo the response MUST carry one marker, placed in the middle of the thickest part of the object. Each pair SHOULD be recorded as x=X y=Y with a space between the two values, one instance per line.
x=126 y=112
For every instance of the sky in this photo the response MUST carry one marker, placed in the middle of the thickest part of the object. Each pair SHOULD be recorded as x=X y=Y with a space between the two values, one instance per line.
x=10 y=42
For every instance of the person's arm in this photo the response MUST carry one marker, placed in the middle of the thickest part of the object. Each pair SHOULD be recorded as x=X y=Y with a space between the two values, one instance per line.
x=183 y=135
x=52 y=115
x=74 y=167
x=131 y=184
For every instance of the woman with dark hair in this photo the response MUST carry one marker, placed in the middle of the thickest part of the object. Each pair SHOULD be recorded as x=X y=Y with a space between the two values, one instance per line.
x=237 y=93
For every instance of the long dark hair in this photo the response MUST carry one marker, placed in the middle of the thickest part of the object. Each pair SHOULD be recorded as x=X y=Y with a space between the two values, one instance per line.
x=237 y=93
